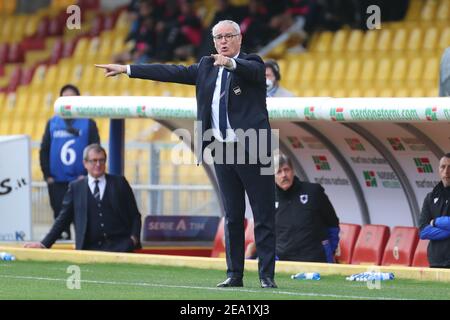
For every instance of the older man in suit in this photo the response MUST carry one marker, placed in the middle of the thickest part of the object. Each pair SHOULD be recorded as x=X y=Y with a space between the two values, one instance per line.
x=231 y=99
x=102 y=207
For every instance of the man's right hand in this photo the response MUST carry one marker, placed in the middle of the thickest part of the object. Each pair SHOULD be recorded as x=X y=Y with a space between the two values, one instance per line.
x=50 y=180
x=112 y=70
x=34 y=245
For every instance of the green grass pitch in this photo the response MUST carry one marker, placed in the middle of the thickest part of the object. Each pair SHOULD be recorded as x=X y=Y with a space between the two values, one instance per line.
x=53 y=280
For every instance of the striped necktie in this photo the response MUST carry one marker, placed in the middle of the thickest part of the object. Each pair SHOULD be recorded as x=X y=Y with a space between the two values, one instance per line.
x=223 y=105
x=97 y=191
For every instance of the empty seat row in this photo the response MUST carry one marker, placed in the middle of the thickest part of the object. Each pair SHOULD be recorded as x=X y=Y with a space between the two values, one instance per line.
x=367 y=244
x=375 y=244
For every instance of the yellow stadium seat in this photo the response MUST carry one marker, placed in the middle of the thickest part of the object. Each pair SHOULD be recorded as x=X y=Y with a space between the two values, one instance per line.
x=430 y=39
x=323 y=70
x=368 y=70
x=370 y=41
x=402 y=92
x=353 y=71
x=399 y=71
x=444 y=39
x=355 y=41
x=415 y=40
x=432 y=92
x=81 y=48
x=383 y=72
x=369 y=93
x=384 y=40
x=417 y=92
x=307 y=74
x=339 y=93
x=354 y=93
x=413 y=13
x=400 y=37
x=7 y=6
x=338 y=72
x=431 y=71
x=323 y=44
x=339 y=41
x=429 y=10
x=292 y=73
x=415 y=70
x=386 y=93
x=443 y=11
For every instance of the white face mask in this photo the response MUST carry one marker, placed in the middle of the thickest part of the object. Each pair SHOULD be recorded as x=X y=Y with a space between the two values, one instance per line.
x=269 y=84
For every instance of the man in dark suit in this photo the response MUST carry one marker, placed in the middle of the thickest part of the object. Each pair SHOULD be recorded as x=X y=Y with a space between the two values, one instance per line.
x=231 y=99
x=102 y=207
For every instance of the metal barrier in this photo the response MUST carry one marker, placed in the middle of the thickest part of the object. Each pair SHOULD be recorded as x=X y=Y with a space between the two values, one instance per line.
x=189 y=200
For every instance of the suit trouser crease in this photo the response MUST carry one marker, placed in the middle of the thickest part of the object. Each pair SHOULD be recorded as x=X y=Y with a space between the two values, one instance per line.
x=233 y=180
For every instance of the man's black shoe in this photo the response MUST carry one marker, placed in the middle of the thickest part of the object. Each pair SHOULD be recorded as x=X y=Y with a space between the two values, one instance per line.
x=268 y=283
x=231 y=282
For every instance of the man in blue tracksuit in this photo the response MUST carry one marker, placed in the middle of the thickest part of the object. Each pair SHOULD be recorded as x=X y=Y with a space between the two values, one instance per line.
x=434 y=221
x=61 y=153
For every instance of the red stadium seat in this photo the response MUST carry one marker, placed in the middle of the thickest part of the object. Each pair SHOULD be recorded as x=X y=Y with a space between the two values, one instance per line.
x=348 y=235
x=420 y=255
x=400 y=247
x=3 y=53
x=249 y=232
x=16 y=53
x=218 y=250
x=370 y=245
x=57 y=51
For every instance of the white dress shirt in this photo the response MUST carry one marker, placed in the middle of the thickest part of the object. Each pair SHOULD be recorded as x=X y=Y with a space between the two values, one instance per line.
x=231 y=136
x=101 y=184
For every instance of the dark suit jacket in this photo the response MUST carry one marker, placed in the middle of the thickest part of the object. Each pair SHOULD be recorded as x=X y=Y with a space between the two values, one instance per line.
x=75 y=209
x=246 y=90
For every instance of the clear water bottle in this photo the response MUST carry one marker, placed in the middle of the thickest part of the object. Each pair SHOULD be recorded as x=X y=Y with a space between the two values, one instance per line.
x=5 y=256
x=306 y=276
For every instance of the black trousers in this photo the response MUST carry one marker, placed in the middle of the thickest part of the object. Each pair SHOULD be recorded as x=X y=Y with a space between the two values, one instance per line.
x=56 y=192
x=234 y=180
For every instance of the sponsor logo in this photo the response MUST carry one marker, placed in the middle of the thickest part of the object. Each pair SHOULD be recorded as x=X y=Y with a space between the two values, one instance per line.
x=396 y=144
x=140 y=111
x=355 y=144
x=430 y=114
x=66 y=110
x=337 y=114
x=304 y=198
x=313 y=143
x=321 y=163
x=368 y=160
x=309 y=113
x=295 y=142
x=423 y=165
x=332 y=181
x=371 y=180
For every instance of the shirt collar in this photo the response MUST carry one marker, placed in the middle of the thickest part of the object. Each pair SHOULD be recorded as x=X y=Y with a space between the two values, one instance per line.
x=91 y=179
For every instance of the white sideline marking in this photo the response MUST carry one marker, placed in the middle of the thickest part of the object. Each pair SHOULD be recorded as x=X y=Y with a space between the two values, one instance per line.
x=143 y=284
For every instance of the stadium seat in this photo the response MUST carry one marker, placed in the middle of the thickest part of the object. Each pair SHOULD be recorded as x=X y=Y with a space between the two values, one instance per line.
x=400 y=247
x=347 y=238
x=249 y=232
x=370 y=245
x=420 y=255
x=218 y=250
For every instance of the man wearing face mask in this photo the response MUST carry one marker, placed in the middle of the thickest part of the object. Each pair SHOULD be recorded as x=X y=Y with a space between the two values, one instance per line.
x=273 y=78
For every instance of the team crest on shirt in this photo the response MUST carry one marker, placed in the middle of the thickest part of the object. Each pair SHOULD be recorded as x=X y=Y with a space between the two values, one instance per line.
x=435 y=200
x=237 y=90
x=304 y=198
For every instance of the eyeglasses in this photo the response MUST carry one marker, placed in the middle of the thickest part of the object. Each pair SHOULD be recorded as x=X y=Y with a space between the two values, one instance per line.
x=93 y=161
x=227 y=37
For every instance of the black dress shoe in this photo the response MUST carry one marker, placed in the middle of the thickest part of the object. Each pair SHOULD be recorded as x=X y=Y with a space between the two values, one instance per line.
x=231 y=282
x=268 y=283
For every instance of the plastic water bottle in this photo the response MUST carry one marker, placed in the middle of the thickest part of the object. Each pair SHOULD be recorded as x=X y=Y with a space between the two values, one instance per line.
x=306 y=276
x=5 y=256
